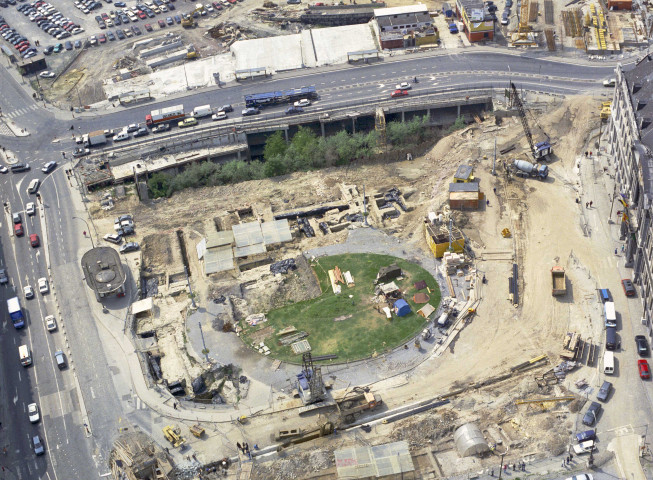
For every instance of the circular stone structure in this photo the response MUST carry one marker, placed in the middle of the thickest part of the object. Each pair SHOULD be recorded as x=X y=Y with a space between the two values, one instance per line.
x=351 y=324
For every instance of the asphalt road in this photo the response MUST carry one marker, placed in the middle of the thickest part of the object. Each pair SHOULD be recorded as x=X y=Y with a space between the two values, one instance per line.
x=69 y=452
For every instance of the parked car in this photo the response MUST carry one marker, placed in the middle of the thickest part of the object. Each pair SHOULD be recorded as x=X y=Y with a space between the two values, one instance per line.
x=141 y=132
x=60 y=358
x=604 y=391
x=629 y=289
x=120 y=34
x=164 y=127
x=30 y=209
x=133 y=127
x=642 y=345
x=229 y=108
x=644 y=369
x=39 y=449
x=33 y=413
x=148 y=27
x=50 y=323
x=586 y=435
x=47 y=74
x=113 y=238
x=220 y=115
x=129 y=247
x=3 y=276
x=592 y=414
x=250 y=111
x=162 y=24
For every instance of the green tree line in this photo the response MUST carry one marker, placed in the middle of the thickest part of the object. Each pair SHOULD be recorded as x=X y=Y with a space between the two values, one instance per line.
x=305 y=151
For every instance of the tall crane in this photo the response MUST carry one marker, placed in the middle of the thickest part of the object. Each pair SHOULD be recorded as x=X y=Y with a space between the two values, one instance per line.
x=541 y=149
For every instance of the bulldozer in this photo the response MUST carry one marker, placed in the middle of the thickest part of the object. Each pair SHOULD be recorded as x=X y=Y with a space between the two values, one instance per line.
x=173 y=435
x=187 y=20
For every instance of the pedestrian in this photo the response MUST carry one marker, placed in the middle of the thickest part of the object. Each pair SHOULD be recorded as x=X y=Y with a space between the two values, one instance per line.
x=623 y=248
x=615 y=252
x=563 y=463
x=495 y=190
x=488 y=202
x=591 y=203
x=514 y=467
x=255 y=446
x=167 y=450
x=492 y=472
x=505 y=467
x=571 y=457
x=174 y=405
x=240 y=447
x=587 y=204
x=585 y=154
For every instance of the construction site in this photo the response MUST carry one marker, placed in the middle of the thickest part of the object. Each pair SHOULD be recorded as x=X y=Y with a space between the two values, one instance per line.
x=459 y=216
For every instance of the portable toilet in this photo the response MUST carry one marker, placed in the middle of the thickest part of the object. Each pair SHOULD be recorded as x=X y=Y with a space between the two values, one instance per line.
x=401 y=307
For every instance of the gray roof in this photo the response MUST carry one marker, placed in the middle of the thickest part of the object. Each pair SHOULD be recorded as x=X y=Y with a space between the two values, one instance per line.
x=464 y=172
x=103 y=270
x=404 y=20
x=463 y=187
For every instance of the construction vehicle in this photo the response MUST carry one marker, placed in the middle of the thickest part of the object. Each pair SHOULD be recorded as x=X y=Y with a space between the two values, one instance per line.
x=197 y=430
x=541 y=149
x=187 y=20
x=523 y=37
x=353 y=406
x=606 y=110
x=191 y=52
x=558 y=281
x=522 y=168
x=326 y=429
x=173 y=435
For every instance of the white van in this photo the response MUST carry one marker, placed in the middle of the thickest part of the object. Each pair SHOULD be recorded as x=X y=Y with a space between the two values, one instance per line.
x=33 y=186
x=610 y=314
x=25 y=356
x=123 y=135
x=608 y=363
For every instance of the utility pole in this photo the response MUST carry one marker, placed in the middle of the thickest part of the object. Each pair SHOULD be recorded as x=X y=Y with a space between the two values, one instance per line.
x=494 y=160
x=501 y=466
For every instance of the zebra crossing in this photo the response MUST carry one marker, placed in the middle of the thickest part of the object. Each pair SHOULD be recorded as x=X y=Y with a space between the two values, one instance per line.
x=21 y=111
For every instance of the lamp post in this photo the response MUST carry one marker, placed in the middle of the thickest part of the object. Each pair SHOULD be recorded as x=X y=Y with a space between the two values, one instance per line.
x=88 y=228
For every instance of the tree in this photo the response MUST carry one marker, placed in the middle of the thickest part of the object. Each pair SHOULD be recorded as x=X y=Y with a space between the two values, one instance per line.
x=275 y=145
x=274 y=167
x=159 y=185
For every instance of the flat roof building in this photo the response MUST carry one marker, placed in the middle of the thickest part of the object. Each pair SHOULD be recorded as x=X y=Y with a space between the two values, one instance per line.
x=403 y=19
x=478 y=22
x=103 y=272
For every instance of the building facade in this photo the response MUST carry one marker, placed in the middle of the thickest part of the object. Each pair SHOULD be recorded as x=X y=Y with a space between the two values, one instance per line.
x=405 y=19
x=630 y=143
x=478 y=22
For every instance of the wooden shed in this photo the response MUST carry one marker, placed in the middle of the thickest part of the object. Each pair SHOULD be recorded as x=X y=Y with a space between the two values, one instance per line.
x=465 y=196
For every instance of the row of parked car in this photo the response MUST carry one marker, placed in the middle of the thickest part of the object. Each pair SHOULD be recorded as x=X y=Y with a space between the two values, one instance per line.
x=6 y=3
x=50 y=20
x=20 y=43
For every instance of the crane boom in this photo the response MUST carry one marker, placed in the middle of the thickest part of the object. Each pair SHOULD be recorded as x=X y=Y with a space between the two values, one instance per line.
x=538 y=150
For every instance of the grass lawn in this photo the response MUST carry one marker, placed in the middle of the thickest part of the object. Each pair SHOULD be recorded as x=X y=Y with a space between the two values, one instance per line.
x=364 y=330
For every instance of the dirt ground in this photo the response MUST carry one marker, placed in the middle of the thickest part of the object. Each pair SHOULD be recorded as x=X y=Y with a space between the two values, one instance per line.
x=544 y=233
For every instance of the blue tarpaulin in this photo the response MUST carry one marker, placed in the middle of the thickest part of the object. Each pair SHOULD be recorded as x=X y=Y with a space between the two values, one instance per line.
x=401 y=307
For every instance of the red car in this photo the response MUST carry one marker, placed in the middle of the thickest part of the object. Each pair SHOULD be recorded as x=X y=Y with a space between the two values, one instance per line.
x=34 y=240
x=399 y=93
x=18 y=229
x=644 y=370
x=627 y=284
x=148 y=27
x=142 y=15
x=162 y=24
x=102 y=38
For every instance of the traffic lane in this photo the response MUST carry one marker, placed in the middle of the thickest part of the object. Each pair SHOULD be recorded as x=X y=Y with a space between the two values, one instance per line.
x=57 y=206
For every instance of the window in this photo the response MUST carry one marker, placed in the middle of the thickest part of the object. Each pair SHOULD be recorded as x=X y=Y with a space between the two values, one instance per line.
x=486 y=35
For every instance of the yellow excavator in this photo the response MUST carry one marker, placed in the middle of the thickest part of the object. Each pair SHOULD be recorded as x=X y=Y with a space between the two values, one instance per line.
x=173 y=435
x=187 y=20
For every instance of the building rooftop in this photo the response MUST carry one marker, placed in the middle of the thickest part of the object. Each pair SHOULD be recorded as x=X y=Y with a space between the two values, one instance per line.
x=421 y=17
x=103 y=270
x=382 y=12
x=464 y=187
x=640 y=86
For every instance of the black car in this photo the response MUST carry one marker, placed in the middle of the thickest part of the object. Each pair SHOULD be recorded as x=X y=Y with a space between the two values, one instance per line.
x=141 y=132
x=226 y=108
x=604 y=391
x=136 y=30
x=592 y=414
x=120 y=34
x=48 y=50
x=642 y=345
x=250 y=111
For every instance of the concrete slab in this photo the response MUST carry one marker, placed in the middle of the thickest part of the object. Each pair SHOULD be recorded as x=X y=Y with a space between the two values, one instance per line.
x=274 y=53
x=331 y=45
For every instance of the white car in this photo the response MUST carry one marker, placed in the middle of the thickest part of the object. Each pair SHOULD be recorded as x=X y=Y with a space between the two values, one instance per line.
x=113 y=238
x=43 y=285
x=28 y=291
x=304 y=102
x=33 y=412
x=219 y=116
x=3 y=169
x=403 y=86
x=582 y=476
x=30 y=208
x=610 y=82
x=50 y=323
x=47 y=74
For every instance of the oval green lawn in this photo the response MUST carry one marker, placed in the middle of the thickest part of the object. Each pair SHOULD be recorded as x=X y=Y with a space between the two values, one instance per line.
x=364 y=330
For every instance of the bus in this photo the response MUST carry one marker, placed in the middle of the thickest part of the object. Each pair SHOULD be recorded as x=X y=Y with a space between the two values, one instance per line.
x=282 y=96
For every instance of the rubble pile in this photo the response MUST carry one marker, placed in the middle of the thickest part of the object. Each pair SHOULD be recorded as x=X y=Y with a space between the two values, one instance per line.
x=427 y=429
x=296 y=466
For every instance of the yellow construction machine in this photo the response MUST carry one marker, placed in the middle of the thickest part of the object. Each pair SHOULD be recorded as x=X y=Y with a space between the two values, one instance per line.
x=187 y=20
x=173 y=435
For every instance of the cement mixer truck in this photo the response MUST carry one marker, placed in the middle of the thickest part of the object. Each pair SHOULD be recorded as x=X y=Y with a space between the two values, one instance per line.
x=522 y=168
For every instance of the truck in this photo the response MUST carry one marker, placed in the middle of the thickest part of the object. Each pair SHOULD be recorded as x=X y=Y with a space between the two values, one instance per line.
x=165 y=115
x=353 y=406
x=523 y=168
x=15 y=312
x=202 y=111
x=558 y=281
x=95 y=138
